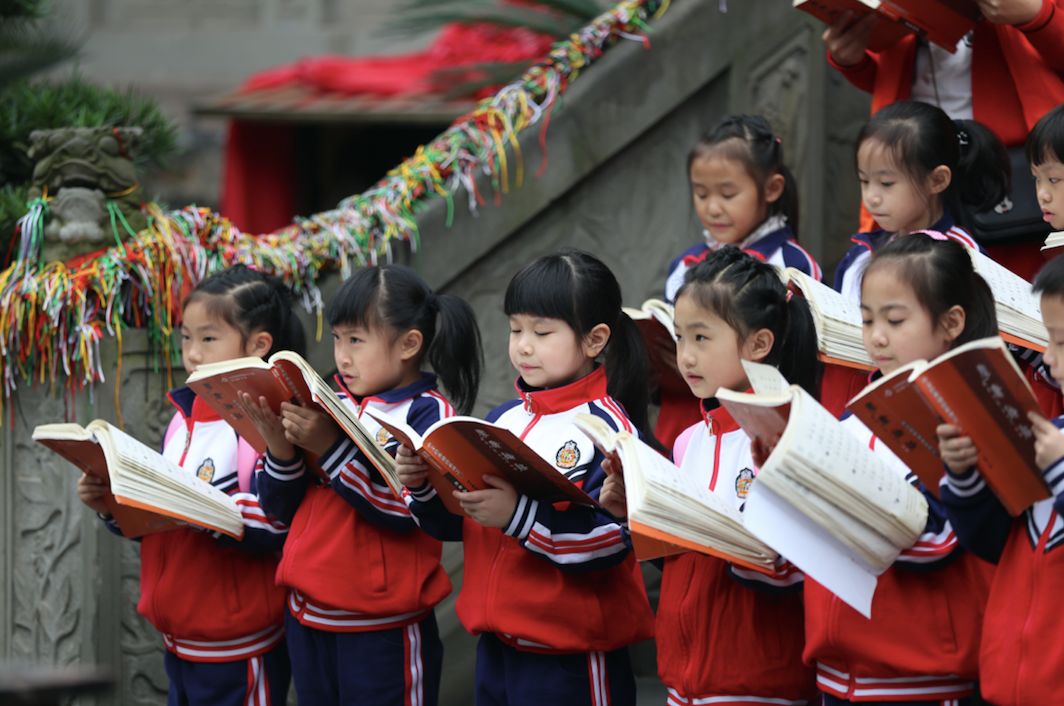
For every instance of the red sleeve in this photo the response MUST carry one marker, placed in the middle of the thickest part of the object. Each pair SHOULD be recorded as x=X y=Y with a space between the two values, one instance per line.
x=1046 y=33
x=862 y=74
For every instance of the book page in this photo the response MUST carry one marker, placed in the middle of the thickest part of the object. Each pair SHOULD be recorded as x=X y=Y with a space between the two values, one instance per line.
x=813 y=550
x=763 y=418
x=1019 y=310
x=826 y=301
x=765 y=379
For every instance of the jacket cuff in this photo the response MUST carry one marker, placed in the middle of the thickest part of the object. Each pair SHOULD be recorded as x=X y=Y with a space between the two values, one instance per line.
x=523 y=518
x=423 y=493
x=283 y=469
x=965 y=485
x=1054 y=477
x=1044 y=16
x=337 y=456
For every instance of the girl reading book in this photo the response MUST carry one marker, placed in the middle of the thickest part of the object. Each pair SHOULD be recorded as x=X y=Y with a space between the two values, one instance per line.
x=362 y=580
x=918 y=171
x=553 y=590
x=920 y=297
x=727 y=634
x=214 y=599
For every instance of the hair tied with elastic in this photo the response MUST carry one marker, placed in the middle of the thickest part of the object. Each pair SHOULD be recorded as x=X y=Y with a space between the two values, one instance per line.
x=962 y=138
x=933 y=234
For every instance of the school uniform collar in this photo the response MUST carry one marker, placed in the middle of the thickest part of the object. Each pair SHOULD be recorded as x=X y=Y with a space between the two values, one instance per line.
x=773 y=228
x=876 y=239
x=192 y=406
x=424 y=383
x=717 y=417
x=553 y=400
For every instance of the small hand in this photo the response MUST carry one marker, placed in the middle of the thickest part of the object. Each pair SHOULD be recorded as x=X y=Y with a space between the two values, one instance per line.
x=412 y=470
x=1009 y=12
x=613 y=497
x=1048 y=441
x=268 y=424
x=92 y=491
x=847 y=41
x=309 y=428
x=492 y=507
x=958 y=452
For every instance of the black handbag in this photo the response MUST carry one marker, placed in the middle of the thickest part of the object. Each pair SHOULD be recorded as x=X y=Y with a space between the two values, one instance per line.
x=1018 y=216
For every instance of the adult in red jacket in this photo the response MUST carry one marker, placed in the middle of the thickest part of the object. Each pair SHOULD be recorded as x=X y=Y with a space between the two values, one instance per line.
x=1017 y=76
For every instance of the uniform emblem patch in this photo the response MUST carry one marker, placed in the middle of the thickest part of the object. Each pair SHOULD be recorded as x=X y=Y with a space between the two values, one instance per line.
x=742 y=483
x=205 y=472
x=568 y=455
x=383 y=437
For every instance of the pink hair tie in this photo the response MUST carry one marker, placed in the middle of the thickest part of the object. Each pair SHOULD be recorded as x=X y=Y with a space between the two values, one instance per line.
x=933 y=234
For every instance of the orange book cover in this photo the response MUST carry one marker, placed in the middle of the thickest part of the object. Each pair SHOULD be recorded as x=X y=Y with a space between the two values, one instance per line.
x=894 y=409
x=460 y=451
x=88 y=456
x=655 y=543
x=978 y=388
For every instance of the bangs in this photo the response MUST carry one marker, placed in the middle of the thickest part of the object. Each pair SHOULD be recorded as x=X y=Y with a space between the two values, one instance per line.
x=544 y=288
x=718 y=300
x=220 y=307
x=1046 y=141
x=356 y=302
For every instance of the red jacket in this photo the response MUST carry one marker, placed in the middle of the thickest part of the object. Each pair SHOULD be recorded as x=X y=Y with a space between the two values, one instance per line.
x=1017 y=72
x=213 y=599
x=559 y=577
x=354 y=559
x=725 y=634
x=922 y=642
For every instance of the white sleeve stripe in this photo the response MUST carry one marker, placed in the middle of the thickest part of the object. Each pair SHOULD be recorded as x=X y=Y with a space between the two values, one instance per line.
x=386 y=502
x=282 y=475
x=519 y=513
x=424 y=494
x=965 y=488
x=343 y=451
x=272 y=529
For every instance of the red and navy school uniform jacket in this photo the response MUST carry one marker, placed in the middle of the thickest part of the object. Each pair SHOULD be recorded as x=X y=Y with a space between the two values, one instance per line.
x=851 y=267
x=726 y=634
x=355 y=560
x=559 y=577
x=1021 y=652
x=213 y=598
x=927 y=614
x=773 y=242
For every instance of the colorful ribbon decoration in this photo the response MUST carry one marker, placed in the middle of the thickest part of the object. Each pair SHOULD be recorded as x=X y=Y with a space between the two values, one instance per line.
x=53 y=316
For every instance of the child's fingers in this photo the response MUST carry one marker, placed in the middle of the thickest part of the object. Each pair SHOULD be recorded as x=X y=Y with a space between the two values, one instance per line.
x=947 y=431
x=499 y=483
x=1041 y=425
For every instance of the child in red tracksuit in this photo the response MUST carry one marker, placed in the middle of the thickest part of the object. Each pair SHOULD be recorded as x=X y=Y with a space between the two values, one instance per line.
x=214 y=599
x=920 y=297
x=725 y=634
x=362 y=580
x=554 y=591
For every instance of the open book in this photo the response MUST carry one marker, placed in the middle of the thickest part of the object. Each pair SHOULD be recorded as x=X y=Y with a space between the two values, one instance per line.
x=1019 y=312
x=836 y=318
x=670 y=511
x=147 y=492
x=1054 y=240
x=656 y=325
x=460 y=451
x=285 y=377
x=822 y=498
x=976 y=387
x=943 y=22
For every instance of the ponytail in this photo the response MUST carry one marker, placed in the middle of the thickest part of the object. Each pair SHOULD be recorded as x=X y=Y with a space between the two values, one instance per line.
x=455 y=353
x=983 y=174
x=747 y=294
x=397 y=298
x=627 y=372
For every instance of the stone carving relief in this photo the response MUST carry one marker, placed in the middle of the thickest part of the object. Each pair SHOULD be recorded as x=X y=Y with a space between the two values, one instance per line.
x=778 y=86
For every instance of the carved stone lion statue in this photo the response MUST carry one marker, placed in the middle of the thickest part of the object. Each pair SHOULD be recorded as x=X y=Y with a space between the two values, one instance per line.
x=81 y=169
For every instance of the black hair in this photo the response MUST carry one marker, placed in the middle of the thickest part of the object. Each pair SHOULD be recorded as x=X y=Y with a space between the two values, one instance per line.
x=941 y=275
x=748 y=295
x=1046 y=140
x=397 y=298
x=252 y=301
x=749 y=140
x=920 y=137
x=1050 y=279
x=579 y=289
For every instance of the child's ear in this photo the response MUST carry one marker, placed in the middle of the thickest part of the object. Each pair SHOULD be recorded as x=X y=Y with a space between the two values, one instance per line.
x=953 y=322
x=774 y=187
x=410 y=344
x=758 y=345
x=939 y=179
x=259 y=344
x=595 y=340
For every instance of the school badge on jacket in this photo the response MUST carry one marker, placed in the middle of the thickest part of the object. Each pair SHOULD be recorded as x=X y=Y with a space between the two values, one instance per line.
x=205 y=472
x=743 y=482
x=383 y=437
x=568 y=455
